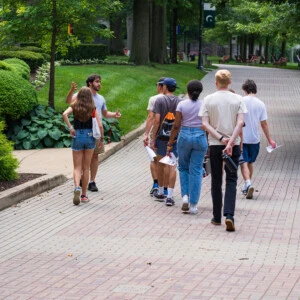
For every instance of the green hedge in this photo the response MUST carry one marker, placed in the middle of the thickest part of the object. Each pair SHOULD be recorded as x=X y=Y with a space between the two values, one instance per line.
x=19 y=66
x=86 y=51
x=33 y=59
x=17 y=96
x=8 y=163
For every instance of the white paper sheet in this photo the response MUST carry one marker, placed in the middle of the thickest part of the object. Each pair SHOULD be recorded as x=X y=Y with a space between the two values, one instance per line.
x=270 y=149
x=151 y=153
x=169 y=160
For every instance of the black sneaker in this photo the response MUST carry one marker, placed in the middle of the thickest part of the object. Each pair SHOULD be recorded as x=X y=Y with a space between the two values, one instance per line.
x=92 y=187
x=170 y=202
x=229 y=222
x=215 y=222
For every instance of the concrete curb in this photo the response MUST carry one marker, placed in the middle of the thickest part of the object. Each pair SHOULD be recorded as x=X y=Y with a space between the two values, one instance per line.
x=44 y=183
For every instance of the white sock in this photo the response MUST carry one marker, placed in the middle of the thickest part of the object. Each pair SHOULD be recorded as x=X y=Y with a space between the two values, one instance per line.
x=170 y=192
x=248 y=182
x=160 y=190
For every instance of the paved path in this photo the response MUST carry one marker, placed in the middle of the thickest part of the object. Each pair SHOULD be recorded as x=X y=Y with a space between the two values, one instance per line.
x=125 y=245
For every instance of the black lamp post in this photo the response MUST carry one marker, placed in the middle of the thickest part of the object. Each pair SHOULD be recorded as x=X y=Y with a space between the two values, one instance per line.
x=200 y=66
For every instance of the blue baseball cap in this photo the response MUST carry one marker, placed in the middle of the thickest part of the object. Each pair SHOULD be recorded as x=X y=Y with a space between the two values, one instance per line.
x=171 y=82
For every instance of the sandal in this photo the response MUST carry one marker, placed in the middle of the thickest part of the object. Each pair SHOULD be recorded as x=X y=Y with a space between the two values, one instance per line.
x=84 y=198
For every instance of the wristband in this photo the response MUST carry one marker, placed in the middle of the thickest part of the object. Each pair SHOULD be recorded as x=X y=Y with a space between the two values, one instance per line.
x=70 y=128
x=221 y=138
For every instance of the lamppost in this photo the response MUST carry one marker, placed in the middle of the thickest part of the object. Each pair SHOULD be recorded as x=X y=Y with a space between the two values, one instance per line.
x=200 y=66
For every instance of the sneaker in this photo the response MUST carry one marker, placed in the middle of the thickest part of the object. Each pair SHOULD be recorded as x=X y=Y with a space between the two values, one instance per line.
x=229 y=222
x=84 y=198
x=154 y=187
x=250 y=192
x=76 y=198
x=245 y=191
x=159 y=197
x=170 y=202
x=215 y=222
x=185 y=203
x=193 y=209
x=92 y=187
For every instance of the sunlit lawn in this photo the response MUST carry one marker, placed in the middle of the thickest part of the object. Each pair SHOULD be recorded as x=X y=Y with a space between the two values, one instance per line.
x=123 y=86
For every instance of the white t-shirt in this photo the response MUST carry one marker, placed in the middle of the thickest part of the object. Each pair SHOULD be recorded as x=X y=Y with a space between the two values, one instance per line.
x=189 y=110
x=256 y=113
x=222 y=108
x=152 y=102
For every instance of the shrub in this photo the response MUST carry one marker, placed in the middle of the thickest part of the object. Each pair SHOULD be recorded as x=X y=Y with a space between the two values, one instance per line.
x=5 y=66
x=33 y=59
x=17 y=95
x=8 y=163
x=43 y=127
x=19 y=66
x=86 y=51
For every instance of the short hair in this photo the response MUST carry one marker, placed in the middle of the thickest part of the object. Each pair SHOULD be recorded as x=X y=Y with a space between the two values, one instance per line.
x=171 y=88
x=223 y=77
x=194 y=89
x=92 y=78
x=249 y=87
x=160 y=81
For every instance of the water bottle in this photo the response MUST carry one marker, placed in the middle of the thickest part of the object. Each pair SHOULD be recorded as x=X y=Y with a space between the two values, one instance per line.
x=229 y=163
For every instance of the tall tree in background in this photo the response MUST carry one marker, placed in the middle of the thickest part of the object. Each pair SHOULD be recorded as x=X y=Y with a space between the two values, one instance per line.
x=47 y=21
x=158 y=33
x=141 y=28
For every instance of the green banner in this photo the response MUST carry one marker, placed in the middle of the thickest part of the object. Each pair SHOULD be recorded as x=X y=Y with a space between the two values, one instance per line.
x=209 y=18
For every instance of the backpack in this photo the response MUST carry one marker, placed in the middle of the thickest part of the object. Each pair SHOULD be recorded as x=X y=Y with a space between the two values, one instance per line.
x=165 y=128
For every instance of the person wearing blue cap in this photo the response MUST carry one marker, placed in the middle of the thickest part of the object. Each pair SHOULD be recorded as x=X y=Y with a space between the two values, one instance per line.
x=164 y=105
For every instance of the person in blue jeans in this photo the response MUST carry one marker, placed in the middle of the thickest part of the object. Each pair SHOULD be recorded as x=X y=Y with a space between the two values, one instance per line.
x=191 y=146
x=83 y=142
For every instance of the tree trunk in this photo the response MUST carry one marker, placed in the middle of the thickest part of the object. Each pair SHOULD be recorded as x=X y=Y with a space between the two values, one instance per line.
x=158 y=34
x=283 y=45
x=267 y=50
x=116 y=42
x=140 y=38
x=174 y=36
x=129 y=27
x=52 y=59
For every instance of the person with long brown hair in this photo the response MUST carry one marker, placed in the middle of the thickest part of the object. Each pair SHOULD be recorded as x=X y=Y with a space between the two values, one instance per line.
x=83 y=142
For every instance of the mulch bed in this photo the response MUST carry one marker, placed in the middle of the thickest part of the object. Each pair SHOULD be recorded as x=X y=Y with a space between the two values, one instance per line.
x=23 y=177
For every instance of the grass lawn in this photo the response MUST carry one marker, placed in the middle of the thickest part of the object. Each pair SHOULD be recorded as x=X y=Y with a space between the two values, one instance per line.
x=123 y=86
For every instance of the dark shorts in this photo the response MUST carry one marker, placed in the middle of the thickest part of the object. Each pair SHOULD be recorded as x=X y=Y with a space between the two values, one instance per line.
x=83 y=140
x=162 y=148
x=250 y=152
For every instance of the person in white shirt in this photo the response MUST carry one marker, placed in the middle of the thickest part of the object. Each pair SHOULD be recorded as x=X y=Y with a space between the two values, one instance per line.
x=257 y=114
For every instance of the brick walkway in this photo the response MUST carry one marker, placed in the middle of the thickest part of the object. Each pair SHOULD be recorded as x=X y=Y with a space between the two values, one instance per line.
x=125 y=245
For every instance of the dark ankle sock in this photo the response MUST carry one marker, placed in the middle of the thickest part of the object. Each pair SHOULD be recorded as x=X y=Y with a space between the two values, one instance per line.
x=155 y=181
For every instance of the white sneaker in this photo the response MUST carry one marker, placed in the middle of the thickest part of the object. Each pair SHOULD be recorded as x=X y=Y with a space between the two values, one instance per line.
x=193 y=209
x=185 y=203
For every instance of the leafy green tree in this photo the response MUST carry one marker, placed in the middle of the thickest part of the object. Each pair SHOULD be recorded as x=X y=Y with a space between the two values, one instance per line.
x=47 y=22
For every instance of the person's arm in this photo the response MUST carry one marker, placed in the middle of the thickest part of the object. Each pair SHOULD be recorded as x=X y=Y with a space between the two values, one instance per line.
x=174 y=131
x=65 y=115
x=149 y=124
x=101 y=128
x=155 y=130
x=109 y=114
x=229 y=142
x=265 y=128
x=69 y=98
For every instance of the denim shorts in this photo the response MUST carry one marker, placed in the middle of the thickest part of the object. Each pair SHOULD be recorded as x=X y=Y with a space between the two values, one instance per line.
x=162 y=148
x=83 y=140
x=250 y=152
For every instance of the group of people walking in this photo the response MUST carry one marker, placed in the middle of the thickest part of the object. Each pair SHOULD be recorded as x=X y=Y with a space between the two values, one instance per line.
x=223 y=123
